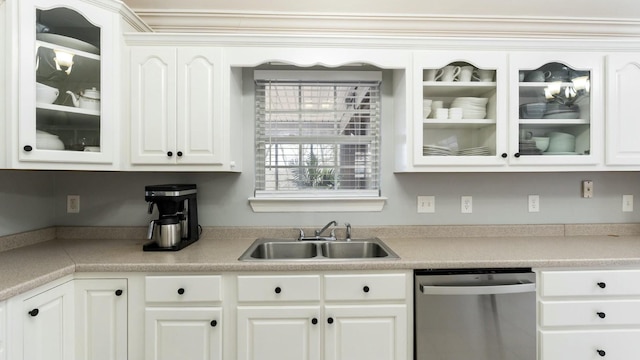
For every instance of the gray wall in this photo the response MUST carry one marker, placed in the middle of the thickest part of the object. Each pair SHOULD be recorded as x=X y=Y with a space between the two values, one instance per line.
x=33 y=200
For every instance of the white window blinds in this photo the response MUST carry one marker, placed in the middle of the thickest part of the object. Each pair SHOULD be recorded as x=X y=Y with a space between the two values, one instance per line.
x=317 y=133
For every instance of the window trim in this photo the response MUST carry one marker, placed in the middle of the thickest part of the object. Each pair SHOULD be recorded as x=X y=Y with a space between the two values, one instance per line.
x=301 y=201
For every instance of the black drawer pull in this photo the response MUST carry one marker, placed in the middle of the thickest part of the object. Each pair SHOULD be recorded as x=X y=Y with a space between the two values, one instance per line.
x=28 y=148
x=181 y=291
x=330 y=320
x=118 y=292
x=365 y=289
x=601 y=352
x=34 y=312
x=214 y=323
x=601 y=315
x=179 y=153
x=278 y=290
x=169 y=153
x=602 y=285
x=314 y=321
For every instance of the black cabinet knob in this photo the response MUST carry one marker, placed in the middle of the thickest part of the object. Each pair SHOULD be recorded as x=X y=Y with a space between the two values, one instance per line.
x=516 y=155
x=601 y=315
x=601 y=352
x=169 y=153
x=118 y=292
x=278 y=290
x=602 y=285
x=181 y=291
x=27 y=148
x=504 y=155
x=330 y=320
x=179 y=153
x=214 y=323
x=34 y=312
x=314 y=321
x=365 y=289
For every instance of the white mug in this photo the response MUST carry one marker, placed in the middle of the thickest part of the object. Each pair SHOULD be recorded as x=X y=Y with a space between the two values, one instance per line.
x=465 y=73
x=449 y=73
x=432 y=74
x=484 y=75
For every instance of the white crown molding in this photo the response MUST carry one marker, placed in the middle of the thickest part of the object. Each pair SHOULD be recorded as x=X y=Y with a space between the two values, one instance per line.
x=234 y=22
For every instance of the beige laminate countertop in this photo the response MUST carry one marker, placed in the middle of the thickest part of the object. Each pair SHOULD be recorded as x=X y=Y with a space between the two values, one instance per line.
x=30 y=266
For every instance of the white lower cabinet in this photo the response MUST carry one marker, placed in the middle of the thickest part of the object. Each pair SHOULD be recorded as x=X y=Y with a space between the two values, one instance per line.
x=183 y=317
x=101 y=319
x=591 y=314
x=3 y=330
x=323 y=316
x=183 y=333
x=41 y=324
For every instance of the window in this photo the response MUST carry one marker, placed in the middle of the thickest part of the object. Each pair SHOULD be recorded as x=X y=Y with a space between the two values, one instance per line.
x=317 y=134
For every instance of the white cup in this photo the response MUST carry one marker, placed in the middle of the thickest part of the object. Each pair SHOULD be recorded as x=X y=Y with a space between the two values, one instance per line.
x=435 y=105
x=431 y=74
x=465 y=73
x=484 y=75
x=449 y=73
x=442 y=113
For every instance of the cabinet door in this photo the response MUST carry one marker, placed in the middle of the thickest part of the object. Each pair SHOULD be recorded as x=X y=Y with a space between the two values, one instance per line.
x=68 y=103
x=555 y=109
x=474 y=85
x=183 y=333
x=584 y=344
x=48 y=325
x=153 y=105
x=199 y=112
x=279 y=332
x=3 y=330
x=623 y=109
x=366 y=332
x=101 y=319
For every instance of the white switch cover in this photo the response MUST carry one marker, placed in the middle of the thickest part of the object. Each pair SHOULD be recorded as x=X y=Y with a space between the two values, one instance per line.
x=73 y=204
x=534 y=203
x=627 y=203
x=426 y=204
x=466 y=204
x=587 y=188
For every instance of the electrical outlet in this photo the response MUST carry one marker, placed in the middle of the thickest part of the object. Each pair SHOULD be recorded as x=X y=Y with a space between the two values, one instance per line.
x=73 y=204
x=534 y=203
x=587 y=189
x=426 y=204
x=627 y=203
x=466 y=204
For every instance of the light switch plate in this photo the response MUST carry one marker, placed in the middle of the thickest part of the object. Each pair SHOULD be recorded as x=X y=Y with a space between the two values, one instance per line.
x=466 y=204
x=587 y=188
x=627 y=203
x=426 y=204
x=73 y=204
x=534 y=203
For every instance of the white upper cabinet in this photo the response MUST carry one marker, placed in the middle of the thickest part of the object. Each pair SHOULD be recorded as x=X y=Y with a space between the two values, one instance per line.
x=623 y=109
x=459 y=112
x=63 y=93
x=556 y=110
x=176 y=106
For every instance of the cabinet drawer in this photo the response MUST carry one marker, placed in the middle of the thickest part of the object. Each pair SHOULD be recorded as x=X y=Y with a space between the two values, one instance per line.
x=578 y=313
x=615 y=344
x=365 y=287
x=590 y=283
x=279 y=288
x=200 y=288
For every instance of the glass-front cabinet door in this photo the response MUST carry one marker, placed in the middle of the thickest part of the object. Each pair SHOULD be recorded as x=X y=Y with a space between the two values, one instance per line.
x=555 y=111
x=460 y=109
x=67 y=106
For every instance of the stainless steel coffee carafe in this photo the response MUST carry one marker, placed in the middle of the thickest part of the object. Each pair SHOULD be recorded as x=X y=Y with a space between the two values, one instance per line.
x=166 y=232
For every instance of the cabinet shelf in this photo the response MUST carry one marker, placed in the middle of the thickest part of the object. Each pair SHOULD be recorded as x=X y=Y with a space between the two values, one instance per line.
x=458 y=124
x=554 y=122
x=454 y=88
x=70 y=50
x=67 y=109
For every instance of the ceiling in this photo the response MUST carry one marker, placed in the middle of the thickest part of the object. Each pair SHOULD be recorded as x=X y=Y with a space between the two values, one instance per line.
x=611 y=9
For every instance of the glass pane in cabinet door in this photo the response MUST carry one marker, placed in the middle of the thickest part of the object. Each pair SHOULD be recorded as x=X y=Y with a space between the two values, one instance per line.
x=67 y=81
x=459 y=111
x=554 y=110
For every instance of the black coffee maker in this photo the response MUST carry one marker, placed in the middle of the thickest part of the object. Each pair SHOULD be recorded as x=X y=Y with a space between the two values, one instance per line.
x=177 y=224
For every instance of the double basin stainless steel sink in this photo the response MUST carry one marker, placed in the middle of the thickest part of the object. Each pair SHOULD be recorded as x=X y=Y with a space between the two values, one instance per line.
x=321 y=250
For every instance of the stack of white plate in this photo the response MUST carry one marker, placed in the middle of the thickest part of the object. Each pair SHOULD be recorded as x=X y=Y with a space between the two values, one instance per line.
x=434 y=150
x=472 y=107
x=474 y=151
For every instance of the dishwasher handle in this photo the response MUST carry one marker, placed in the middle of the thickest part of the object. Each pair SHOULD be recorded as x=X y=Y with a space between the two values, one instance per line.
x=478 y=290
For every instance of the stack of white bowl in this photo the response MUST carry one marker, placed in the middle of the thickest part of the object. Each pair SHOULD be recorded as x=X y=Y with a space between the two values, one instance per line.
x=47 y=141
x=472 y=107
x=560 y=142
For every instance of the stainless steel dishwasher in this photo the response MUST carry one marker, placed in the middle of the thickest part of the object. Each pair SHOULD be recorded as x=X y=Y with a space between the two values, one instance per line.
x=479 y=314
